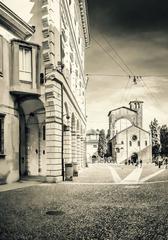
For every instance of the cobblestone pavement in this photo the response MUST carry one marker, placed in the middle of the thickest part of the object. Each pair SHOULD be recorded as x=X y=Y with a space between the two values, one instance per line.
x=92 y=207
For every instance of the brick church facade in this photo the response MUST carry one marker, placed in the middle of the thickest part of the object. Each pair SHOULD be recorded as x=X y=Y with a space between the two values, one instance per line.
x=132 y=141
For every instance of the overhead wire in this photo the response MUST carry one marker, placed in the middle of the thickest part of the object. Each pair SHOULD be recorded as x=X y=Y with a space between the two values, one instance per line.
x=129 y=74
x=104 y=49
x=118 y=55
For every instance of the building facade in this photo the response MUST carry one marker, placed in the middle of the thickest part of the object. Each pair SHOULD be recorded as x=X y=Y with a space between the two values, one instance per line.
x=131 y=141
x=92 y=139
x=42 y=102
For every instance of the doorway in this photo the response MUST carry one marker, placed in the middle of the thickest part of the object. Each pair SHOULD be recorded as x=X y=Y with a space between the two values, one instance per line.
x=134 y=157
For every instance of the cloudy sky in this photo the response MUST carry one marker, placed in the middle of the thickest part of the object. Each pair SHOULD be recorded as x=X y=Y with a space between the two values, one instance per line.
x=128 y=37
x=135 y=34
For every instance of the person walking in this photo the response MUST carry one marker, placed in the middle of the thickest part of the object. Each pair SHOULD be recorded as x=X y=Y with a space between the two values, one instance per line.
x=160 y=162
x=166 y=162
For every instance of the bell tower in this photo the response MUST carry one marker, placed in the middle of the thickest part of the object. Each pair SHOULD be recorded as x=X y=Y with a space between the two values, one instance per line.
x=138 y=107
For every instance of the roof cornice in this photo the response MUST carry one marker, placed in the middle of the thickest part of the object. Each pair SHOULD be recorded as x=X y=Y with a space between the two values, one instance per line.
x=85 y=20
x=120 y=108
x=14 y=23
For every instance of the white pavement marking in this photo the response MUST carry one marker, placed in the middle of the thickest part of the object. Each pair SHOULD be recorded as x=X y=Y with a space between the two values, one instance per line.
x=152 y=175
x=115 y=175
x=133 y=177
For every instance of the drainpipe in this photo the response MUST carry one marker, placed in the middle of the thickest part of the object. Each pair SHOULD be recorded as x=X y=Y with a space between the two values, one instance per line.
x=62 y=150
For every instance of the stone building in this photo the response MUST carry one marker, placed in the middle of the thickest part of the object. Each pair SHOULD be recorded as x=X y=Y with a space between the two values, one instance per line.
x=130 y=140
x=42 y=93
x=92 y=139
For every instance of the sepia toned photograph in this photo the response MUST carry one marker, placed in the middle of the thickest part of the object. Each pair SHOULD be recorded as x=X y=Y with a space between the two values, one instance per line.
x=83 y=120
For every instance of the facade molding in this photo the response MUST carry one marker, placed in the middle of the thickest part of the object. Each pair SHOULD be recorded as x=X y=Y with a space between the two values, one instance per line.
x=61 y=79
x=14 y=23
x=72 y=32
x=85 y=20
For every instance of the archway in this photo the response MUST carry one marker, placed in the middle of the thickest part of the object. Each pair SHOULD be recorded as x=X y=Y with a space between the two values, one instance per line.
x=134 y=157
x=73 y=138
x=32 y=137
x=66 y=135
x=121 y=124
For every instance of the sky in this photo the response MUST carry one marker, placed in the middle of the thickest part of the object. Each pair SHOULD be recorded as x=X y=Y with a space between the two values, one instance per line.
x=128 y=37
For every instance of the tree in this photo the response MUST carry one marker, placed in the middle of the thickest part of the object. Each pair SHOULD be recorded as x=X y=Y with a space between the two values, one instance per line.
x=102 y=146
x=164 y=140
x=155 y=133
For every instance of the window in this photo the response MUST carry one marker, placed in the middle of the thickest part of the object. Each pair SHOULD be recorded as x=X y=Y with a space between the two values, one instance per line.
x=117 y=150
x=130 y=143
x=146 y=143
x=134 y=137
x=95 y=146
x=1 y=134
x=70 y=2
x=122 y=142
x=138 y=143
x=25 y=64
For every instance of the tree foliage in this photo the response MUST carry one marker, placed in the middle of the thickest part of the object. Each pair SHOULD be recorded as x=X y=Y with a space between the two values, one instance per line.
x=102 y=146
x=164 y=140
x=155 y=133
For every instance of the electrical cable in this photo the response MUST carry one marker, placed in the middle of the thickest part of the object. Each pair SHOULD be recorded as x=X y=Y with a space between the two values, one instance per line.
x=115 y=51
x=99 y=44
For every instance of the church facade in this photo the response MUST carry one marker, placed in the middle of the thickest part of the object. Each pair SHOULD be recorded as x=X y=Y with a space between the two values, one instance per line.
x=130 y=142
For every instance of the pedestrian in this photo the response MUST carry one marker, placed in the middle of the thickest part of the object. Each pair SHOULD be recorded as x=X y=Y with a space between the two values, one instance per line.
x=129 y=161
x=166 y=162
x=140 y=163
x=159 y=162
x=125 y=162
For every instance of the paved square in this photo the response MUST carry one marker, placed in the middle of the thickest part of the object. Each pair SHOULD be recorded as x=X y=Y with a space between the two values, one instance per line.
x=85 y=211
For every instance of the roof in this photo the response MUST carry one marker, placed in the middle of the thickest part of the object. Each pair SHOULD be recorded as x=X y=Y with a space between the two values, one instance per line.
x=120 y=108
x=92 y=132
x=129 y=128
x=14 y=23
x=136 y=101
x=85 y=20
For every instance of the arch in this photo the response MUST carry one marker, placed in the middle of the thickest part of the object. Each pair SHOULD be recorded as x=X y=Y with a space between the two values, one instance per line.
x=66 y=114
x=134 y=157
x=121 y=113
x=73 y=123
x=121 y=124
x=32 y=119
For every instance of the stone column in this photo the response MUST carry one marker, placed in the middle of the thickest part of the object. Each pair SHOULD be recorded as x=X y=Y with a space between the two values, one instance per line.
x=84 y=152
x=81 y=151
x=78 y=149
x=67 y=146
x=74 y=152
x=54 y=131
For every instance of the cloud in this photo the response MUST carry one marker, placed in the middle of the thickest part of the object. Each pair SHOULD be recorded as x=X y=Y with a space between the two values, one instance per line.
x=120 y=16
